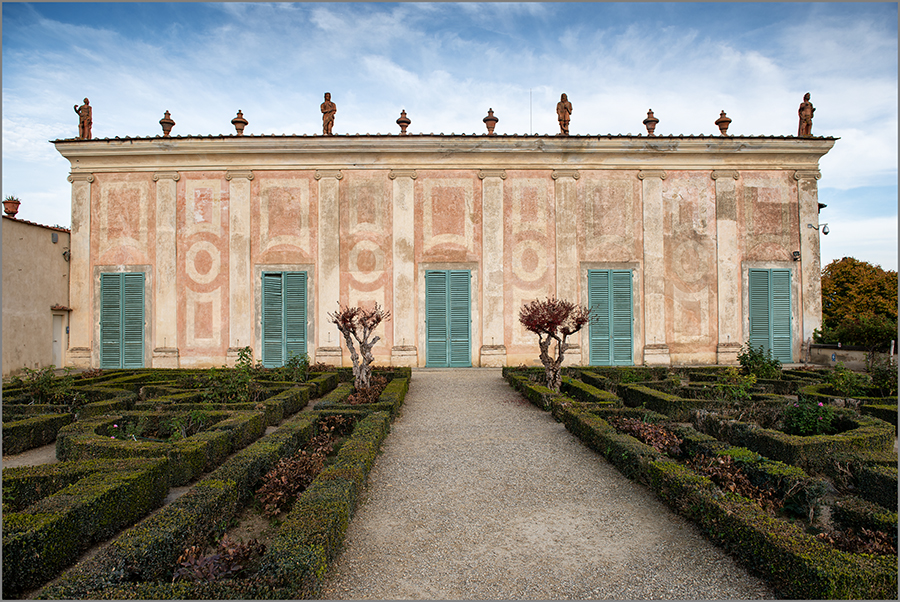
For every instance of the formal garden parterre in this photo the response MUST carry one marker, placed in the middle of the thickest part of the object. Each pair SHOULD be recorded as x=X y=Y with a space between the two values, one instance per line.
x=127 y=438
x=793 y=474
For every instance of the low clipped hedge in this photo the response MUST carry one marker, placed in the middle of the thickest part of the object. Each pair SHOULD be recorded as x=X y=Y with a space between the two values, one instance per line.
x=586 y=393
x=857 y=513
x=188 y=457
x=826 y=394
x=811 y=453
x=389 y=401
x=797 y=563
x=34 y=431
x=139 y=563
x=276 y=407
x=49 y=534
x=886 y=412
x=877 y=484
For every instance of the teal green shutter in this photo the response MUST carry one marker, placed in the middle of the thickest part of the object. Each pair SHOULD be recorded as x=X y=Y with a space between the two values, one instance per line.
x=436 y=328
x=294 y=314
x=611 y=334
x=770 y=312
x=448 y=319
x=122 y=320
x=283 y=317
x=460 y=319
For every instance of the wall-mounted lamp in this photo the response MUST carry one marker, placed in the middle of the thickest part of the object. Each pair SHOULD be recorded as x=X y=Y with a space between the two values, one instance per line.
x=67 y=254
x=824 y=228
x=796 y=255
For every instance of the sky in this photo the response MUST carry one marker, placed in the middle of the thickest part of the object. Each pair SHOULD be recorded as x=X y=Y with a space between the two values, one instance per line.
x=446 y=64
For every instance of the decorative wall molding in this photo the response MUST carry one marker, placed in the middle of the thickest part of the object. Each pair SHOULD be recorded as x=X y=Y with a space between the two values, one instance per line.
x=230 y=175
x=492 y=173
x=725 y=173
x=565 y=173
x=166 y=175
x=329 y=173
x=403 y=173
x=801 y=174
x=80 y=177
x=652 y=173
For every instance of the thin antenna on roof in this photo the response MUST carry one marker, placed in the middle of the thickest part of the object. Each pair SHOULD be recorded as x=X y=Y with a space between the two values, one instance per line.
x=530 y=128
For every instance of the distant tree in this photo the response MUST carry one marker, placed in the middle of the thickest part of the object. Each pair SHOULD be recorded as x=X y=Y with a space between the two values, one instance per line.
x=553 y=320
x=859 y=305
x=360 y=324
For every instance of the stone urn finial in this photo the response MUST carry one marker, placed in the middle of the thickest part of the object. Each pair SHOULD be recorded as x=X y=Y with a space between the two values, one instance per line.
x=239 y=123
x=651 y=122
x=167 y=124
x=723 y=122
x=11 y=206
x=403 y=122
x=491 y=122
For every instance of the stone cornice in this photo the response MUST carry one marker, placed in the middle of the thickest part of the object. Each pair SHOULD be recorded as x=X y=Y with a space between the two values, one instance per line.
x=242 y=173
x=403 y=173
x=80 y=177
x=166 y=175
x=725 y=173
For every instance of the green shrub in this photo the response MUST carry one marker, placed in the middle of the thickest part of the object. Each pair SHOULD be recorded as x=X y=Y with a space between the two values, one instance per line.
x=807 y=418
x=847 y=382
x=883 y=373
x=759 y=362
x=43 y=386
x=733 y=386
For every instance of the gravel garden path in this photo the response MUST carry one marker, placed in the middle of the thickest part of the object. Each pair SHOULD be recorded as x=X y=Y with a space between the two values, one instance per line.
x=479 y=495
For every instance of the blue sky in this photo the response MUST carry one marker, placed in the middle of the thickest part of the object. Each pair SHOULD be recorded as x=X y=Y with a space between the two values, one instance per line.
x=446 y=64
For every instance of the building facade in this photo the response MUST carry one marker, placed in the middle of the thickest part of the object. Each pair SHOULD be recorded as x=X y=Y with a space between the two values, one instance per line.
x=35 y=295
x=185 y=250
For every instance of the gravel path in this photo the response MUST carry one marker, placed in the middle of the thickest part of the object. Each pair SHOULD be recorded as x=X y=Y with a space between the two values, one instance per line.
x=479 y=495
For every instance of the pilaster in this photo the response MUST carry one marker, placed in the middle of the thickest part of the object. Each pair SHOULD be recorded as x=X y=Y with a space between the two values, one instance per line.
x=493 y=336
x=328 y=267
x=240 y=281
x=656 y=349
x=165 y=330
x=728 y=268
x=81 y=322
x=810 y=258
x=567 y=271
x=403 y=316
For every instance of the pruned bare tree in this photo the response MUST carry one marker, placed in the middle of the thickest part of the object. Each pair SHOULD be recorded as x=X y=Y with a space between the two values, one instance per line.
x=553 y=320
x=360 y=324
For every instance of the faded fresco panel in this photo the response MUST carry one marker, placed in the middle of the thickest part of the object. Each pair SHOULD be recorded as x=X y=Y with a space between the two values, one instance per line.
x=366 y=242
x=448 y=216
x=529 y=254
x=125 y=210
x=771 y=220
x=689 y=239
x=202 y=225
x=611 y=216
x=283 y=209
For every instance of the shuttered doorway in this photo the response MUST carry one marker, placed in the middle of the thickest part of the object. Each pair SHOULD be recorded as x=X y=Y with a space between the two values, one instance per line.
x=611 y=326
x=122 y=320
x=448 y=319
x=283 y=317
x=770 y=312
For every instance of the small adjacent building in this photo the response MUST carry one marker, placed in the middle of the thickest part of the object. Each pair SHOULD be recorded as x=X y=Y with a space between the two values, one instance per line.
x=35 y=294
x=186 y=249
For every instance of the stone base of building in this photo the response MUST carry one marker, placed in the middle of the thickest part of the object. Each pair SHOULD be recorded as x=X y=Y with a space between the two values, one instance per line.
x=405 y=356
x=167 y=357
x=727 y=354
x=657 y=355
x=79 y=357
x=330 y=356
x=573 y=356
x=493 y=356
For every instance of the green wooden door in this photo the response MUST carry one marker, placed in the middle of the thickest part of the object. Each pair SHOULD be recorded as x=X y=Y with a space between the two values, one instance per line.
x=770 y=312
x=448 y=321
x=283 y=317
x=122 y=320
x=611 y=327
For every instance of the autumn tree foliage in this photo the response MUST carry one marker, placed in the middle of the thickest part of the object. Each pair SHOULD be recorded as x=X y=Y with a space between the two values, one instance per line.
x=357 y=324
x=553 y=320
x=859 y=305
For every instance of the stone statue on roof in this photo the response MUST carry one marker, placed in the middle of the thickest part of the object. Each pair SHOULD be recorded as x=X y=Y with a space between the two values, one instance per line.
x=805 y=112
x=563 y=113
x=84 y=120
x=328 y=111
